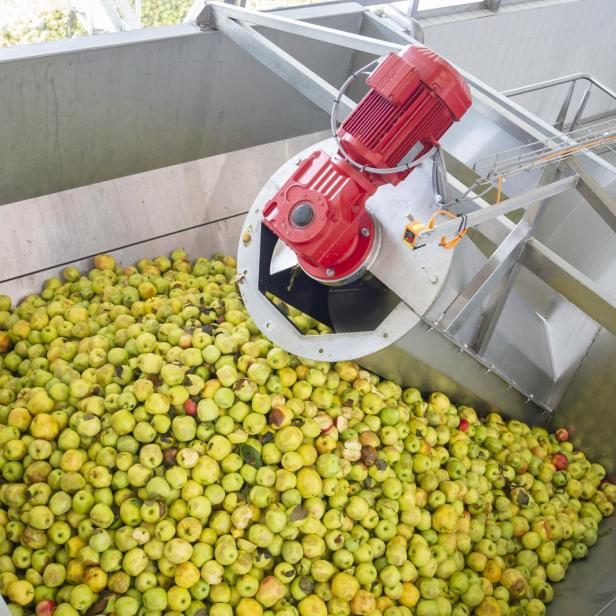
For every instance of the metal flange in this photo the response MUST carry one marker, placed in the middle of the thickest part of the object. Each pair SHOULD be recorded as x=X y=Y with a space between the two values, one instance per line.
x=415 y=277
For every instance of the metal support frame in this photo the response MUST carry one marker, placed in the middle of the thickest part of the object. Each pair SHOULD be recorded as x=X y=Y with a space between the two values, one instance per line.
x=522 y=201
x=553 y=270
x=305 y=81
x=493 y=309
x=562 y=114
x=357 y=42
x=110 y=9
x=487 y=278
x=192 y=14
x=495 y=279
x=416 y=31
x=498 y=298
x=237 y=24
x=577 y=118
x=130 y=17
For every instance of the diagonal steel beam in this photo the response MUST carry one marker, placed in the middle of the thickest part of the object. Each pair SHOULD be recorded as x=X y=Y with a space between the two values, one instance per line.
x=485 y=280
x=305 y=81
x=497 y=300
x=595 y=194
x=110 y=9
x=562 y=114
x=299 y=28
x=523 y=201
x=552 y=269
x=128 y=15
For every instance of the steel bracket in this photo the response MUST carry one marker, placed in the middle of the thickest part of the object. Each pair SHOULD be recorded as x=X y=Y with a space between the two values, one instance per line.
x=487 y=278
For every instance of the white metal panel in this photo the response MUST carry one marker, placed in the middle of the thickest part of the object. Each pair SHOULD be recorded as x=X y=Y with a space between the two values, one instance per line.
x=136 y=214
x=523 y=44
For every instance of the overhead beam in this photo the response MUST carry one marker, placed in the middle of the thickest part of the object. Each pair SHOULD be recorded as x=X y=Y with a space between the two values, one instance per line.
x=299 y=28
x=305 y=81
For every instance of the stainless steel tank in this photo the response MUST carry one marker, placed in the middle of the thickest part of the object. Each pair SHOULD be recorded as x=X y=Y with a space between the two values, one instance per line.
x=91 y=174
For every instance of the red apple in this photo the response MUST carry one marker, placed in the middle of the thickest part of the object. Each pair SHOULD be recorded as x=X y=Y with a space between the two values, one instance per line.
x=463 y=427
x=185 y=341
x=562 y=434
x=190 y=407
x=560 y=461
x=45 y=607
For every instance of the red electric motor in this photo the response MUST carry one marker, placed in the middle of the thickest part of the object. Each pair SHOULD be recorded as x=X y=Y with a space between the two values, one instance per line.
x=320 y=212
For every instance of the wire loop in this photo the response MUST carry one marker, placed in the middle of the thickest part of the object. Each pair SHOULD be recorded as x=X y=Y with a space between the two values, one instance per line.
x=462 y=229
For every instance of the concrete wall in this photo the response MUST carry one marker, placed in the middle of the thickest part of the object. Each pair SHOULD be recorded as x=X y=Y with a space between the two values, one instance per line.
x=533 y=41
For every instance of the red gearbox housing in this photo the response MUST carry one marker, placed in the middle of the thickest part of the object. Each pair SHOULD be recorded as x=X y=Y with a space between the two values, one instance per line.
x=320 y=213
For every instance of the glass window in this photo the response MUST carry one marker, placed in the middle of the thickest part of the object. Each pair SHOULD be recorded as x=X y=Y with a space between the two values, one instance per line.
x=266 y=5
x=161 y=12
x=35 y=21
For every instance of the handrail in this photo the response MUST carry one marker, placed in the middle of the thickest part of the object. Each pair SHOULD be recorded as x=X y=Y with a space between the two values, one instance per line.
x=564 y=110
x=540 y=85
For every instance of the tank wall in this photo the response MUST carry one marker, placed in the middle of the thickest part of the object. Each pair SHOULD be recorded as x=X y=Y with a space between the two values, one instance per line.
x=198 y=205
x=86 y=110
x=588 y=408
